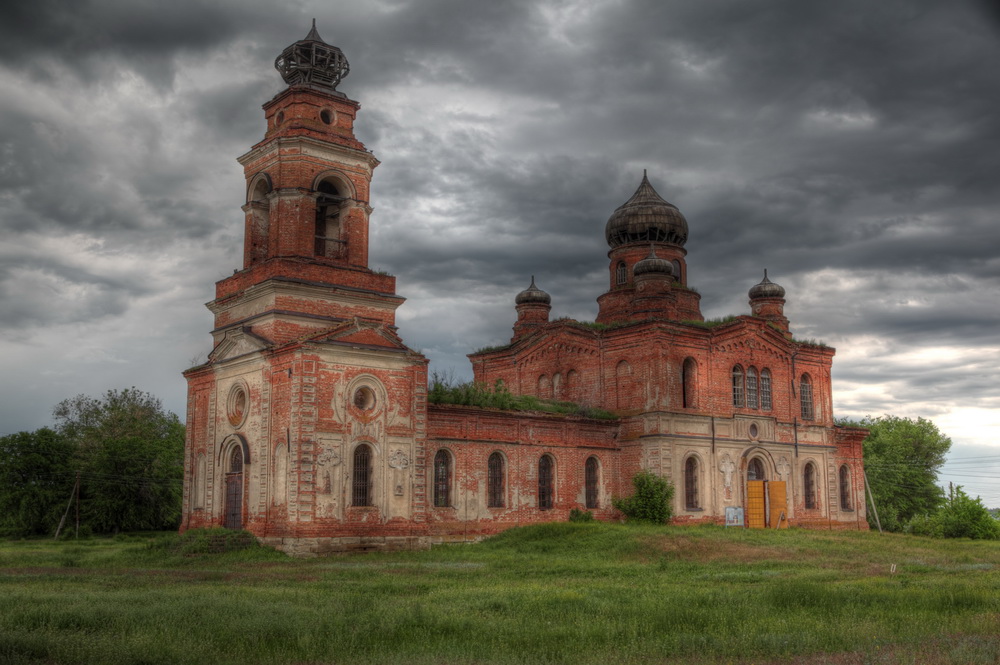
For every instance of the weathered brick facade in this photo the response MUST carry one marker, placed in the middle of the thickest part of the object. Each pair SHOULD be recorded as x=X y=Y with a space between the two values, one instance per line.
x=309 y=424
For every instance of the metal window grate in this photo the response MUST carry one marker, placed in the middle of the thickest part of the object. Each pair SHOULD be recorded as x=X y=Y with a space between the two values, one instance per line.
x=806 y=397
x=545 y=482
x=765 y=390
x=496 y=481
x=738 y=387
x=809 y=482
x=361 y=486
x=688 y=373
x=752 y=388
x=591 y=482
x=691 y=483
x=845 y=488
x=442 y=479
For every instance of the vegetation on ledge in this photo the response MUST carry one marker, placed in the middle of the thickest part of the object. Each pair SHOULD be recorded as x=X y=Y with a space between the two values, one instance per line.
x=443 y=391
x=712 y=323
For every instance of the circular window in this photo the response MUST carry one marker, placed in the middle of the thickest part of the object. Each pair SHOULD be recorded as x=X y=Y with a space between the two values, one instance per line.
x=364 y=398
x=326 y=116
x=236 y=405
x=753 y=430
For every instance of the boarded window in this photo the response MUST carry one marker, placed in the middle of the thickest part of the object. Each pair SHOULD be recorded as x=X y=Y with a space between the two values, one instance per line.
x=591 y=481
x=691 y=484
x=496 y=482
x=765 y=390
x=361 y=494
x=545 y=482
x=442 y=479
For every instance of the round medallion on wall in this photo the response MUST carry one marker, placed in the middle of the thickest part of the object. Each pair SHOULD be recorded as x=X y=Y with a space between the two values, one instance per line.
x=236 y=405
x=753 y=431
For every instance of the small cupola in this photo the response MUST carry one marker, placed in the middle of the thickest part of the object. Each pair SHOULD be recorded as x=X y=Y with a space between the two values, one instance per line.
x=653 y=266
x=311 y=61
x=767 y=301
x=532 y=306
x=533 y=295
x=766 y=289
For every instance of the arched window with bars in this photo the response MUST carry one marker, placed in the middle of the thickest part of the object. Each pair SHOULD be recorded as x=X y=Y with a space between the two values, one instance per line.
x=809 y=485
x=591 y=481
x=689 y=382
x=496 y=481
x=752 y=402
x=691 y=484
x=845 y=488
x=738 y=395
x=806 y=397
x=621 y=274
x=361 y=482
x=546 y=482
x=442 y=479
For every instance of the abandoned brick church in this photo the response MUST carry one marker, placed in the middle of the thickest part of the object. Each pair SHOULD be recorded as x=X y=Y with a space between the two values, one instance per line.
x=309 y=424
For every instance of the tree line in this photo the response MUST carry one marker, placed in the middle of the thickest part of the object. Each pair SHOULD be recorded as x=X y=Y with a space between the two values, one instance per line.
x=110 y=464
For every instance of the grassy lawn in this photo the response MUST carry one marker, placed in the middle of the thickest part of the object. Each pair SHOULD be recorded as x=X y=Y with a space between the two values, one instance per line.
x=556 y=593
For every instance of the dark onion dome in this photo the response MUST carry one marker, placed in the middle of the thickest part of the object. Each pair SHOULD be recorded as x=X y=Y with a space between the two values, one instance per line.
x=532 y=294
x=766 y=289
x=646 y=217
x=653 y=264
x=311 y=61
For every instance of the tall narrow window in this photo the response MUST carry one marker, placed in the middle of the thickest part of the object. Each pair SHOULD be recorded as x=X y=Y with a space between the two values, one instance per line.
x=806 y=397
x=845 y=488
x=545 y=482
x=361 y=485
x=327 y=238
x=809 y=485
x=691 y=484
x=495 y=480
x=752 y=387
x=234 y=490
x=738 y=400
x=689 y=375
x=621 y=274
x=442 y=479
x=591 y=481
x=765 y=390
x=755 y=469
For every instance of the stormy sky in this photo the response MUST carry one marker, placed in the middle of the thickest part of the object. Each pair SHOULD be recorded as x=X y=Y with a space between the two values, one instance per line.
x=851 y=148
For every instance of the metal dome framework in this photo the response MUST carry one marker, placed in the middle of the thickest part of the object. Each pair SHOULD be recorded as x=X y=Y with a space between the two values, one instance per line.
x=311 y=61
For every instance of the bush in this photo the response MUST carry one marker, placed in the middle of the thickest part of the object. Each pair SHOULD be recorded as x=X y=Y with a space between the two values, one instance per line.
x=960 y=517
x=577 y=515
x=651 y=502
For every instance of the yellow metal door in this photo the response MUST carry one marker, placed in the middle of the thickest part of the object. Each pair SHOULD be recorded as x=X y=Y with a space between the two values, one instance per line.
x=756 y=504
x=776 y=499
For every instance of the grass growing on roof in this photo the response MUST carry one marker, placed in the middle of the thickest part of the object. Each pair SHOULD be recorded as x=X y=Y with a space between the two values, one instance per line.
x=551 y=593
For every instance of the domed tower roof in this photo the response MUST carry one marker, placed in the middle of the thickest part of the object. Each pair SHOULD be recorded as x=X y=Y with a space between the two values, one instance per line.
x=311 y=61
x=766 y=289
x=653 y=264
x=646 y=217
x=532 y=294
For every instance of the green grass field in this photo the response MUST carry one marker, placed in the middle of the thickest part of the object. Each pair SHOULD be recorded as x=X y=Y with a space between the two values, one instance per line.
x=555 y=593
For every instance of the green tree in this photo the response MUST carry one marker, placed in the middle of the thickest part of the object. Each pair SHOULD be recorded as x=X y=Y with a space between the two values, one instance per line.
x=37 y=473
x=650 y=502
x=130 y=456
x=902 y=459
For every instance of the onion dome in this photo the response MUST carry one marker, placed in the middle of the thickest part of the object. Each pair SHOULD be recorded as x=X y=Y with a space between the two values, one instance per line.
x=766 y=289
x=653 y=264
x=311 y=61
x=532 y=295
x=646 y=217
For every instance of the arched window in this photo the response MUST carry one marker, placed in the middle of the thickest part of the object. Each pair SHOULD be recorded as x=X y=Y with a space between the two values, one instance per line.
x=845 y=488
x=546 y=477
x=806 y=397
x=755 y=469
x=621 y=274
x=544 y=386
x=691 y=484
x=442 y=479
x=765 y=390
x=809 y=485
x=738 y=400
x=678 y=275
x=260 y=211
x=495 y=481
x=361 y=486
x=328 y=201
x=752 y=388
x=234 y=490
x=689 y=379
x=591 y=473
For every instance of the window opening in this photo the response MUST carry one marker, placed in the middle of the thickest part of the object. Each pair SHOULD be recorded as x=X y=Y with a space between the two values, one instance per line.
x=751 y=388
x=765 y=390
x=755 y=469
x=688 y=372
x=809 y=483
x=495 y=474
x=621 y=274
x=234 y=490
x=845 y=488
x=806 y=397
x=362 y=485
x=591 y=473
x=545 y=482
x=738 y=400
x=442 y=479
x=691 y=484
x=328 y=243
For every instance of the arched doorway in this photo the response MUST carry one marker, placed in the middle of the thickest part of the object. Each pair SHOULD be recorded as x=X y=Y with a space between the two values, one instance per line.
x=234 y=490
x=766 y=500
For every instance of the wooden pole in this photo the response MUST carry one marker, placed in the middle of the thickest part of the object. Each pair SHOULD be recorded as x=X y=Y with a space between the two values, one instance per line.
x=872 y=497
x=69 y=505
